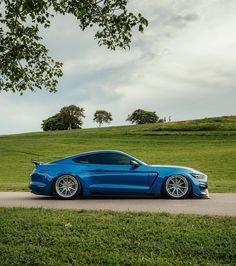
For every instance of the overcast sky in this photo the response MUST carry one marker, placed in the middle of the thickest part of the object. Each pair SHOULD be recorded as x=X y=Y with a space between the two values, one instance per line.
x=183 y=65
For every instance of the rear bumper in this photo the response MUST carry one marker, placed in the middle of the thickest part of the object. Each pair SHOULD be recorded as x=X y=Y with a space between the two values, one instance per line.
x=40 y=184
x=39 y=188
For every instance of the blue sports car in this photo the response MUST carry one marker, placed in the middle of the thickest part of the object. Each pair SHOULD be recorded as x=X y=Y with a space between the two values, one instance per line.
x=112 y=172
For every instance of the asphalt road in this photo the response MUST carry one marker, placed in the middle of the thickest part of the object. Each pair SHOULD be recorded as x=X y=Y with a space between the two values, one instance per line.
x=220 y=204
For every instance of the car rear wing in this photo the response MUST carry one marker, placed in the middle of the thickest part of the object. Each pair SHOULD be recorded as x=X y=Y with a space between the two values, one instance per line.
x=35 y=162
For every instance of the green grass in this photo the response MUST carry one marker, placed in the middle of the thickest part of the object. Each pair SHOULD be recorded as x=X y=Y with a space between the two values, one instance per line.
x=208 y=145
x=53 y=237
x=208 y=124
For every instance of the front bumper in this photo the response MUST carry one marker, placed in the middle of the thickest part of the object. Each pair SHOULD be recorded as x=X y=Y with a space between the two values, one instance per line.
x=201 y=189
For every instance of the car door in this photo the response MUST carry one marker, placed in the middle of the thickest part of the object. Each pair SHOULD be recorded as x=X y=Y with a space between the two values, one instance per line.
x=112 y=173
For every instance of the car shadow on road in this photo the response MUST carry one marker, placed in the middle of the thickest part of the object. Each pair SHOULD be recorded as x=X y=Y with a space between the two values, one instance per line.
x=109 y=197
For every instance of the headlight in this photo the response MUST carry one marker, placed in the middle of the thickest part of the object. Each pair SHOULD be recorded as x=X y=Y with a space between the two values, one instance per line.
x=199 y=176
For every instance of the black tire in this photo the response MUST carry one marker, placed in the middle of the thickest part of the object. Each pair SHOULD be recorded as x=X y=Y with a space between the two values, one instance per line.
x=67 y=187
x=177 y=187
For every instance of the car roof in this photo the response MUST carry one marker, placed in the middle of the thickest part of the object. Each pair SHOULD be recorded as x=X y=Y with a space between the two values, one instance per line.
x=96 y=152
x=90 y=153
x=100 y=151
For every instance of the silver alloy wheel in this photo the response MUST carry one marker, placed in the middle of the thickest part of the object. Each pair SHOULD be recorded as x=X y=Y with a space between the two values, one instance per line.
x=177 y=186
x=66 y=186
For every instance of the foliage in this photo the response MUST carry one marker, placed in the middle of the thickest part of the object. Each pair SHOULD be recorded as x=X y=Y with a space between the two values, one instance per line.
x=102 y=116
x=65 y=237
x=162 y=120
x=72 y=116
x=212 y=152
x=140 y=116
x=24 y=60
x=69 y=117
x=53 y=123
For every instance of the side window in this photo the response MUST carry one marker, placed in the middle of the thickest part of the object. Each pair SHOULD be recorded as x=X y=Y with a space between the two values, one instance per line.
x=89 y=159
x=115 y=159
x=103 y=158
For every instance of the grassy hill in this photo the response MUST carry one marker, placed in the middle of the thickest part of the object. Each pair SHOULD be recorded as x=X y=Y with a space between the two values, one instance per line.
x=206 y=144
x=208 y=124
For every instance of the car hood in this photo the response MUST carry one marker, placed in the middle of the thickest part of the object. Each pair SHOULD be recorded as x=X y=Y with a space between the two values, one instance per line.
x=176 y=167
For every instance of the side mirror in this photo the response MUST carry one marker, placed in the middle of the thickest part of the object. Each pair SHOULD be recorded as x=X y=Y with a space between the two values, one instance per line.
x=134 y=163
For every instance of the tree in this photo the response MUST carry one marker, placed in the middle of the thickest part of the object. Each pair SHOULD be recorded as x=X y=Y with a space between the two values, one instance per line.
x=69 y=117
x=53 y=123
x=24 y=60
x=72 y=116
x=102 y=116
x=140 y=116
x=162 y=120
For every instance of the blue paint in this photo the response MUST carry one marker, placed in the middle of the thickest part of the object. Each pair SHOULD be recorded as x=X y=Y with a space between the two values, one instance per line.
x=113 y=179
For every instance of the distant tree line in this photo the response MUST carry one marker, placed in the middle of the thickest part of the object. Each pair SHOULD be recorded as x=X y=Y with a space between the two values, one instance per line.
x=71 y=117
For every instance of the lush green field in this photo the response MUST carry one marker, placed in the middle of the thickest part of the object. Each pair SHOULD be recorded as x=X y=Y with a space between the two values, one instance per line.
x=52 y=237
x=208 y=145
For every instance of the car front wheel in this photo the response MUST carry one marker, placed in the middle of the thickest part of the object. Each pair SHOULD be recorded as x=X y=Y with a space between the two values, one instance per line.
x=67 y=187
x=177 y=187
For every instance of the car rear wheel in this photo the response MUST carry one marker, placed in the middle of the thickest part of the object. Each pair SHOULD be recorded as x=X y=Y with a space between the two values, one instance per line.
x=177 y=187
x=67 y=187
